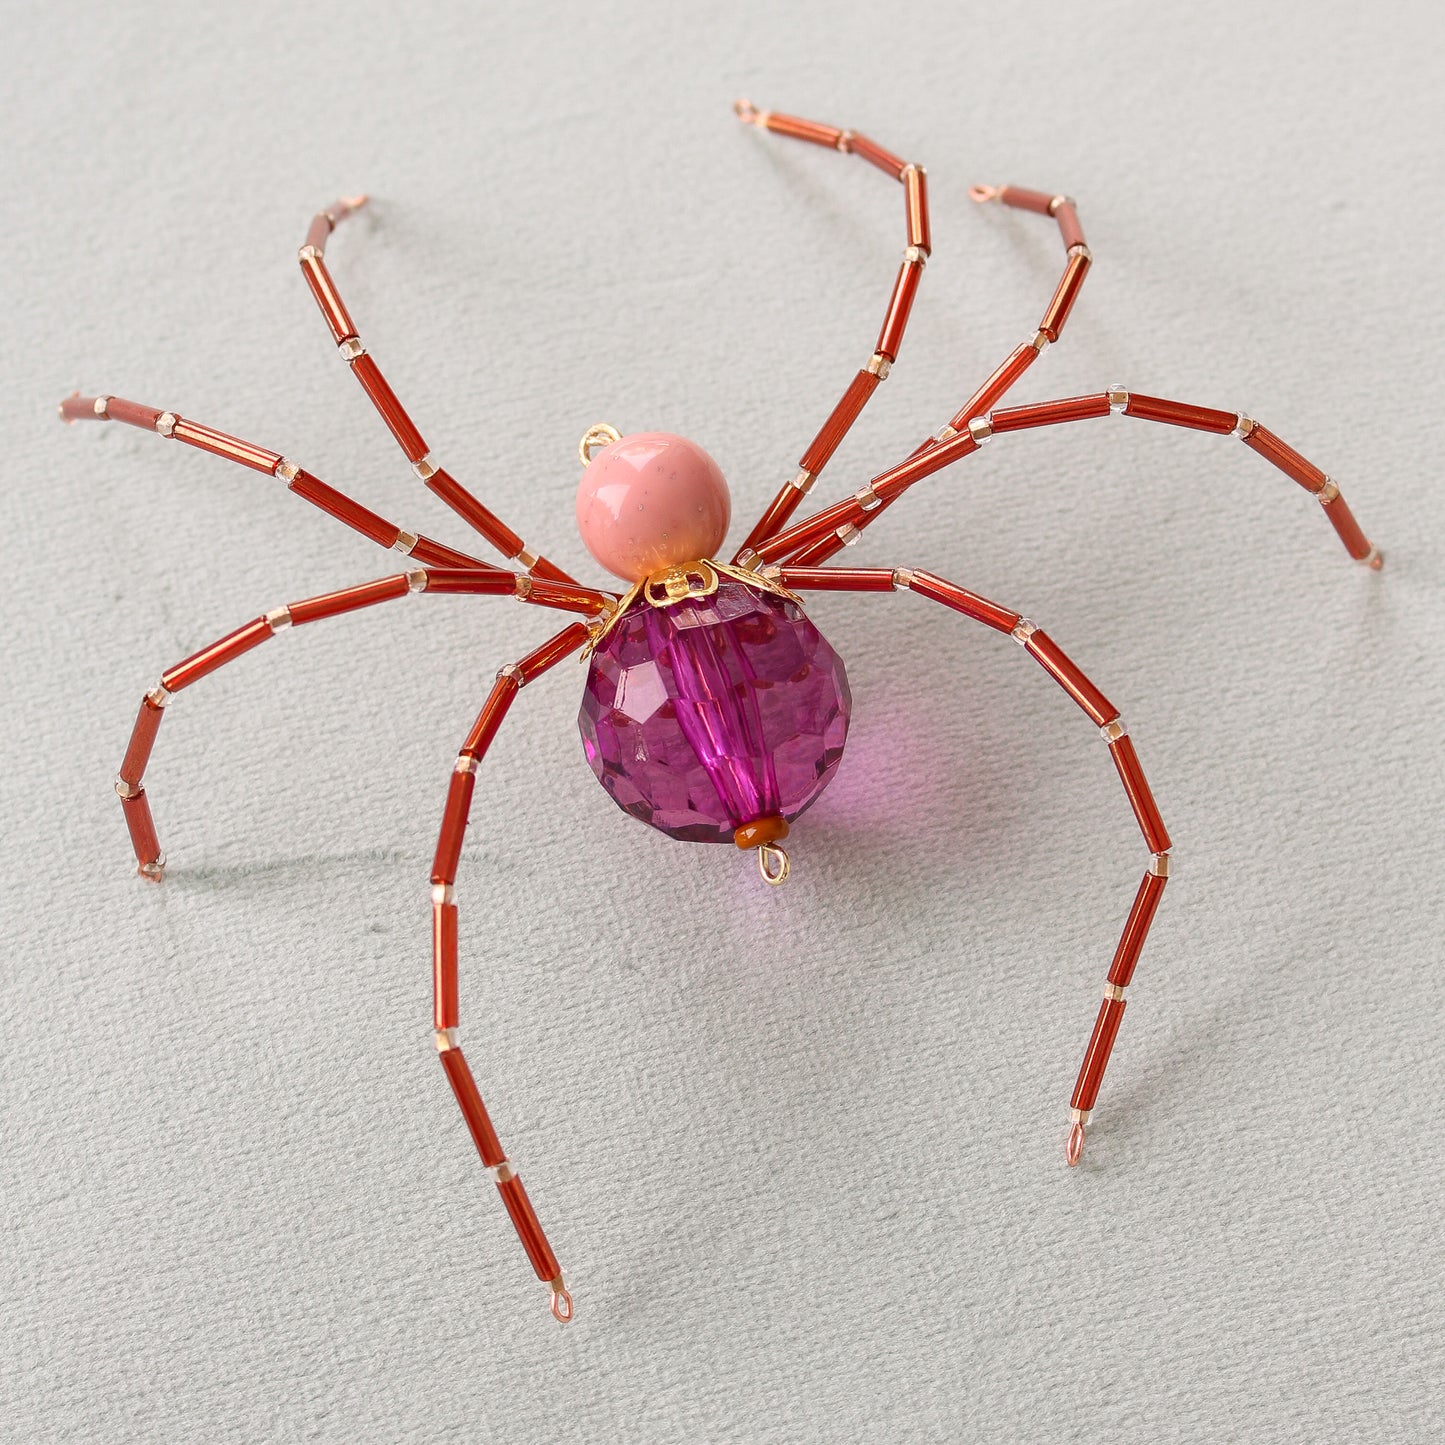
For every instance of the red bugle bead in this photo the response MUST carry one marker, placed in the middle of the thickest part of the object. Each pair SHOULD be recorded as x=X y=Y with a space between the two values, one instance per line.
x=800 y=129
x=968 y=603
x=1096 y=1056
x=454 y=825
x=1061 y=668
x=208 y=439
x=1136 y=929
x=142 y=740
x=997 y=385
x=916 y=206
x=875 y=155
x=843 y=415
x=1022 y=199
x=323 y=288
x=1156 y=836
x=1075 y=269
x=1178 y=413
x=446 y=1010
x=230 y=647
x=376 y=386
x=900 y=304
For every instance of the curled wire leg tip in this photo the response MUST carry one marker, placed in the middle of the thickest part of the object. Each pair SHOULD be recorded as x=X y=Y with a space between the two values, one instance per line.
x=746 y=111
x=982 y=194
x=1074 y=1148
x=561 y=1301
x=774 y=864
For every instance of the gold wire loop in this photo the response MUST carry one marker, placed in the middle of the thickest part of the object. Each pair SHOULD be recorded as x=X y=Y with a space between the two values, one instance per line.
x=773 y=863
x=595 y=438
x=671 y=585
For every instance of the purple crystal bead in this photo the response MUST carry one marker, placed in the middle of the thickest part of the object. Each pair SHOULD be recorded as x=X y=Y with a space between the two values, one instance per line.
x=714 y=712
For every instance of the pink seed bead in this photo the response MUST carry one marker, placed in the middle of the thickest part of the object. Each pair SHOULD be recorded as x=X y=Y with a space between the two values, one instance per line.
x=649 y=501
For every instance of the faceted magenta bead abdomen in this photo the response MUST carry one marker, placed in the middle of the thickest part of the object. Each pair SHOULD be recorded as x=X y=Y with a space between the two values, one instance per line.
x=711 y=713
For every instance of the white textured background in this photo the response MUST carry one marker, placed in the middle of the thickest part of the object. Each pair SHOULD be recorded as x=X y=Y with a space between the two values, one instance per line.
x=800 y=1152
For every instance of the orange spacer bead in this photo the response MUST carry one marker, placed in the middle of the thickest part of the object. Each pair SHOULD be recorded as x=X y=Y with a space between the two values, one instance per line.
x=760 y=831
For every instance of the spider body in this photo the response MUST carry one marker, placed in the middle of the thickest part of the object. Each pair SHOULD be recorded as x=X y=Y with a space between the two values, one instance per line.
x=714 y=709
x=719 y=715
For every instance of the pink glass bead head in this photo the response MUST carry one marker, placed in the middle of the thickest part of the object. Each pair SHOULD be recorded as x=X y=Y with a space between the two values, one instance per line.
x=649 y=501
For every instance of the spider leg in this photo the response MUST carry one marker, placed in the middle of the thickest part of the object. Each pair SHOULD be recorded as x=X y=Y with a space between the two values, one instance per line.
x=1056 y=313
x=1050 y=328
x=375 y=385
x=900 y=303
x=843 y=522
x=447 y=1015
x=248 y=454
x=129 y=782
x=1105 y=716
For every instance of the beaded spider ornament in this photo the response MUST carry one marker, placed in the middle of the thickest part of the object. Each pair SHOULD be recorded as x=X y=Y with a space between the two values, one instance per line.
x=713 y=710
